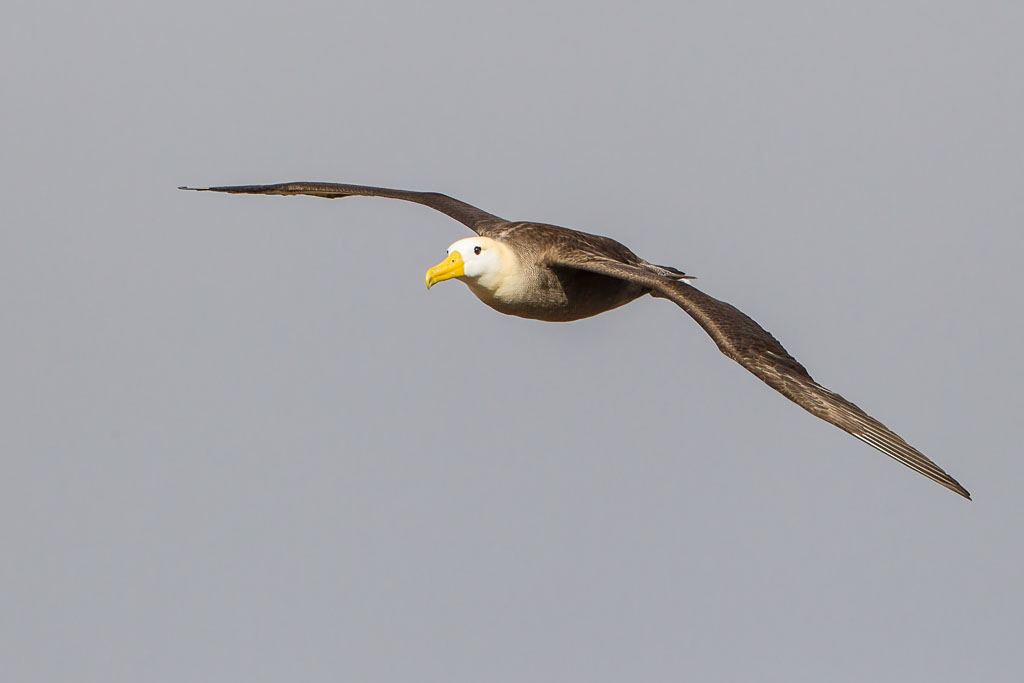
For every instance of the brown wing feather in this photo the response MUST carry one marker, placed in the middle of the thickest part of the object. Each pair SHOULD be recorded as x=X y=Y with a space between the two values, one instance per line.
x=753 y=347
x=475 y=219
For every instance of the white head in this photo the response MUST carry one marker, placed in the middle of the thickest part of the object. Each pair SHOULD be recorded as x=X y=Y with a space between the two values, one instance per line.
x=480 y=261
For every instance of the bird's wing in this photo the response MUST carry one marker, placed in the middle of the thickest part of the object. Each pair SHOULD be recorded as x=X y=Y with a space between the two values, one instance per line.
x=753 y=347
x=475 y=219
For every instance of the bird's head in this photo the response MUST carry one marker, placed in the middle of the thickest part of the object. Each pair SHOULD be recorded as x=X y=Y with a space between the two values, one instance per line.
x=479 y=261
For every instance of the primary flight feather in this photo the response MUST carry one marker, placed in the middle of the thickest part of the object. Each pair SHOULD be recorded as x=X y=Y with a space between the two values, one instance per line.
x=545 y=272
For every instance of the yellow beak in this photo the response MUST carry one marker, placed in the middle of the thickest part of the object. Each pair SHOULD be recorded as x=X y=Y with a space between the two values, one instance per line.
x=446 y=270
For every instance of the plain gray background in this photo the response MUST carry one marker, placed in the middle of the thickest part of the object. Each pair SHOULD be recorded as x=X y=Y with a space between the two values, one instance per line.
x=241 y=442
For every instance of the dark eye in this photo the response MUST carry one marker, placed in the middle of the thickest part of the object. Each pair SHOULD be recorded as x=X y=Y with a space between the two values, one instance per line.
x=476 y=250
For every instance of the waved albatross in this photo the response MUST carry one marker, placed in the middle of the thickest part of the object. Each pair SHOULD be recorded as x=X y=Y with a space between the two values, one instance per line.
x=545 y=272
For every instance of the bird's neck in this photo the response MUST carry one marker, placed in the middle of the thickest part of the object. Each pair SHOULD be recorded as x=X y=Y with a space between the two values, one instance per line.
x=503 y=283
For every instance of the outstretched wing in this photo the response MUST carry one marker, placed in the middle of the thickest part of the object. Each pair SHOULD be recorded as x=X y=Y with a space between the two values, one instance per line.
x=475 y=219
x=753 y=347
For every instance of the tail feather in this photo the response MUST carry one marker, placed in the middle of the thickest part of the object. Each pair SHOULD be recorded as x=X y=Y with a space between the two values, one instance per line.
x=675 y=273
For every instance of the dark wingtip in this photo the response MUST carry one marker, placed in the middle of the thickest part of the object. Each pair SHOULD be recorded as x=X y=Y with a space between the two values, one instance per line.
x=954 y=486
x=186 y=187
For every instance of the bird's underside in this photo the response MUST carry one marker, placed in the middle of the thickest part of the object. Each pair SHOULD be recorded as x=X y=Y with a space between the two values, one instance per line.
x=566 y=274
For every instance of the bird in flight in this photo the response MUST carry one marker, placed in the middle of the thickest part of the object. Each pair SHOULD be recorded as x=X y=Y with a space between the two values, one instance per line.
x=545 y=272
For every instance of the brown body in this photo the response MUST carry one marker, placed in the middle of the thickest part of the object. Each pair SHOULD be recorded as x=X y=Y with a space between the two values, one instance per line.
x=560 y=294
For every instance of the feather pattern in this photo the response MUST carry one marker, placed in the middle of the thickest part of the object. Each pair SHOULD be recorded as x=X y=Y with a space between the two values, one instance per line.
x=753 y=347
x=475 y=219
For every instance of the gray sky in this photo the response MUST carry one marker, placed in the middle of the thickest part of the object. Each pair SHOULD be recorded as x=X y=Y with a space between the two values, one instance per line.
x=241 y=442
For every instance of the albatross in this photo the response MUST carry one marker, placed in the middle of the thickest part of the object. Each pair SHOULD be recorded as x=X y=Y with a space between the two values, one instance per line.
x=555 y=274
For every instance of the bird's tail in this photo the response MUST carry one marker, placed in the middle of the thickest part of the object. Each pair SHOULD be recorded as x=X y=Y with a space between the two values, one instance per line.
x=674 y=273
